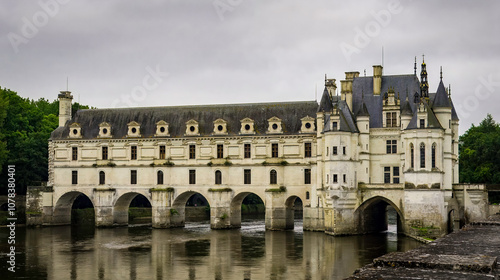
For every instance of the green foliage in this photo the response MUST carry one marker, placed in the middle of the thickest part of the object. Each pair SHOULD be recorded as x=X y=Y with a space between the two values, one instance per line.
x=280 y=189
x=220 y=190
x=480 y=153
x=25 y=127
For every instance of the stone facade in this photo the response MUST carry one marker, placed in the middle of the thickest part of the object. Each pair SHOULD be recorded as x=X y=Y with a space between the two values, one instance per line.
x=385 y=141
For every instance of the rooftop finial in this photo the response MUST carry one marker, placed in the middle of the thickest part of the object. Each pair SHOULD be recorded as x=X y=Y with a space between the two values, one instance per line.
x=449 y=90
x=441 y=73
x=415 y=66
x=423 y=58
x=325 y=78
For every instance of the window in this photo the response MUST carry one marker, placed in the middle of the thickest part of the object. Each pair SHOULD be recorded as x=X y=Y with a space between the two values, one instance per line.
x=343 y=150
x=433 y=155
x=334 y=126
x=307 y=150
x=307 y=195
x=104 y=152
x=387 y=175
x=392 y=146
x=412 y=158
x=192 y=151
x=133 y=177
x=159 y=177
x=327 y=179
x=133 y=152
x=274 y=150
x=327 y=151
x=344 y=178
x=220 y=151
x=74 y=154
x=74 y=177
x=273 y=177
x=334 y=150
x=162 y=152
x=422 y=155
x=391 y=119
x=102 y=178
x=307 y=176
x=192 y=176
x=247 y=153
x=247 y=176
x=422 y=123
x=335 y=178
x=395 y=175
x=218 y=177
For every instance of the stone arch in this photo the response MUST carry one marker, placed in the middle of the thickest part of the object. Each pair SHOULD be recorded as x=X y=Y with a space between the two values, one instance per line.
x=290 y=210
x=236 y=207
x=372 y=217
x=121 y=207
x=178 y=210
x=62 y=208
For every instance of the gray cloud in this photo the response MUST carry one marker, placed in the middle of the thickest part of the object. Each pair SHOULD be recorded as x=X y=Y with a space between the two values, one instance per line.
x=256 y=52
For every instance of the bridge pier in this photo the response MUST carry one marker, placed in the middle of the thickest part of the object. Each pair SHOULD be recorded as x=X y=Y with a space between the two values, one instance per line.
x=103 y=199
x=220 y=209
x=277 y=212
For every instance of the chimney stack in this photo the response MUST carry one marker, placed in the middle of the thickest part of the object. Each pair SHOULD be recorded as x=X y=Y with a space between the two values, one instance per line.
x=377 y=79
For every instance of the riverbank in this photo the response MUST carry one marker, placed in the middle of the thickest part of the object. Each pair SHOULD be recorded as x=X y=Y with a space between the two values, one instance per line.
x=470 y=253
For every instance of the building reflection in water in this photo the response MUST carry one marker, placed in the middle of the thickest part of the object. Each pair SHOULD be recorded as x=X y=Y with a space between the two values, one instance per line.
x=196 y=252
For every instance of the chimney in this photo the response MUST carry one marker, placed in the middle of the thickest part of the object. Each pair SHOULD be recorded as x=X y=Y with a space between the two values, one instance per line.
x=346 y=87
x=330 y=86
x=377 y=79
x=65 y=99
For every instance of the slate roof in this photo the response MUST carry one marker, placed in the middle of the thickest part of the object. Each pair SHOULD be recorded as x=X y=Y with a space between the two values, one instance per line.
x=441 y=99
x=325 y=105
x=403 y=85
x=346 y=118
x=432 y=121
x=289 y=112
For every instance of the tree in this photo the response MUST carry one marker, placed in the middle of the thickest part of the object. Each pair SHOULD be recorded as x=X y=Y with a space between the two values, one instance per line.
x=25 y=128
x=480 y=153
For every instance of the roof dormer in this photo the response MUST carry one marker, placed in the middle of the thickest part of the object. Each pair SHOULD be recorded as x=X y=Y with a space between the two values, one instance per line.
x=104 y=130
x=307 y=125
x=75 y=130
x=192 y=128
x=162 y=128
x=275 y=125
x=247 y=126
x=134 y=129
x=220 y=127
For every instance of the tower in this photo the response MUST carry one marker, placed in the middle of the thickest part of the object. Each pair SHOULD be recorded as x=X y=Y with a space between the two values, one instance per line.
x=65 y=99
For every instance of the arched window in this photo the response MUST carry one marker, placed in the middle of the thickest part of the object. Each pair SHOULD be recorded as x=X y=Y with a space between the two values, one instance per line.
x=218 y=177
x=159 y=177
x=273 y=177
x=433 y=155
x=422 y=155
x=102 y=178
x=412 y=156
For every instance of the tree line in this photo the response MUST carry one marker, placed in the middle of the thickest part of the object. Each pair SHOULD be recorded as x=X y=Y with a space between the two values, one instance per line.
x=25 y=127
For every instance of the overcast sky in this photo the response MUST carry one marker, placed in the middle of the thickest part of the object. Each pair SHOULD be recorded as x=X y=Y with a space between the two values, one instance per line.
x=178 y=52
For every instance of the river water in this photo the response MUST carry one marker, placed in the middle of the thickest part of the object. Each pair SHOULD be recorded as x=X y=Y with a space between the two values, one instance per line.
x=193 y=252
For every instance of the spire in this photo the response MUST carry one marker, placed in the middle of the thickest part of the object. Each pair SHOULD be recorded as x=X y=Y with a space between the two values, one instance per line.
x=449 y=91
x=441 y=73
x=325 y=105
x=415 y=66
x=441 y=99
x=424 y=84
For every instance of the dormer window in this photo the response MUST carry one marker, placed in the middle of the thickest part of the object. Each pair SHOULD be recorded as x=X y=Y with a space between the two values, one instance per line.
x=391 y=119
x=134 y=129
x=422 y=123
x=275 y=125
x=104 y=130
x=307 y=125
x=247 y=126
x=162 y=128
x=220 y=127
x=75 y=130
x=335 y=126
x=192 y=128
